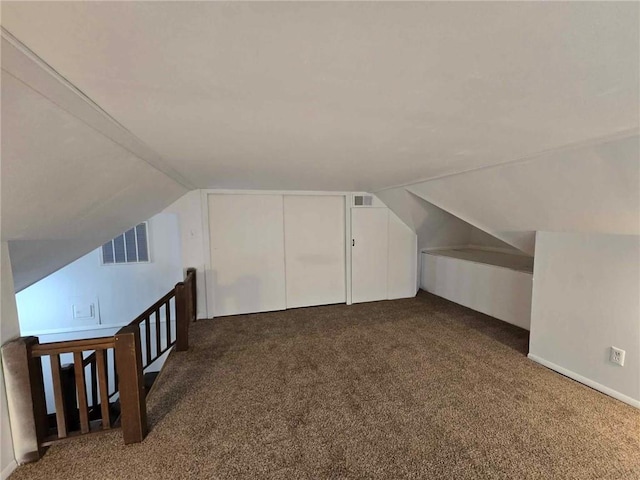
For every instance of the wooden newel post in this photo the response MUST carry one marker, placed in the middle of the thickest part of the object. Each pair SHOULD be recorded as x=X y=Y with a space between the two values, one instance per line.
x=26 y=400
x=194 y=298
x=133 y=408
x=182 y=318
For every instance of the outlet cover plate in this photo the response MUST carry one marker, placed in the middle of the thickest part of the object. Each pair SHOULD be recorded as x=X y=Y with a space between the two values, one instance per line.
x=617 y=356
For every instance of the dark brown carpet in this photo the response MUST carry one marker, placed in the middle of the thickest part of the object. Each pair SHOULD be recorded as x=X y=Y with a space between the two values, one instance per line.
x=417 y=388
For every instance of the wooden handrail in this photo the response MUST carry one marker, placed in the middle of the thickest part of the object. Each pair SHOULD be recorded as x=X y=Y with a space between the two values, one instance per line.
x=71 y=346
x=75 y=413
x=143 y=316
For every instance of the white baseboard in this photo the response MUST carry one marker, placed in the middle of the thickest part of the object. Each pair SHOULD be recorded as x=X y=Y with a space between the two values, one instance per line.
x=8 y=470
x=586 y=381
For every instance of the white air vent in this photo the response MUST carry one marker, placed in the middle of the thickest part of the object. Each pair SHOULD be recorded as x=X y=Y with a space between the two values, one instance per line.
x=130 y=247
x=363 y=200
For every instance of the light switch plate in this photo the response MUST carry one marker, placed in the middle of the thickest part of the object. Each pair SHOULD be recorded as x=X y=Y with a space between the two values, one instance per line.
x=83 y=310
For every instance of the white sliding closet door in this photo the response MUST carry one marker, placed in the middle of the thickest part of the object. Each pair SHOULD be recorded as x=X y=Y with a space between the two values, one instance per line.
x=314 y=229
x=369 y=253
x=247 y=253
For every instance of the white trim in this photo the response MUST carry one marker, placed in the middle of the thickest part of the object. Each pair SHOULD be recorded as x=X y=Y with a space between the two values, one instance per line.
x=9 y=469
x=206 y=251
x=284 y=252
x=586 y=381
x=348 y=201
x=206 y=246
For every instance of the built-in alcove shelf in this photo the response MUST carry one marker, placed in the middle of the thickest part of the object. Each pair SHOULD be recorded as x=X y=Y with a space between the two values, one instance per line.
x=492 y=282
x=514 y=261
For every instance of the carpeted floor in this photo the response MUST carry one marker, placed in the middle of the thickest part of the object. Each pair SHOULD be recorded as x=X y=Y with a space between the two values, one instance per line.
x=416 y=388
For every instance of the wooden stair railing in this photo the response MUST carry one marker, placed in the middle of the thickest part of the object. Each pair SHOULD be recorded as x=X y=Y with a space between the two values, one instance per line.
x=97 y=382
x=84 y=401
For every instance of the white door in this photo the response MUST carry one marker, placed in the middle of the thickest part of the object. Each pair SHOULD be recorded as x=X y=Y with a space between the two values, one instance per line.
x=247 y=254
x=369 y=232
x=314 y=238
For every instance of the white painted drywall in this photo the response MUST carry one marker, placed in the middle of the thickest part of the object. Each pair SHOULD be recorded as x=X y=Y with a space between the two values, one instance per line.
x=9 y=329
x=435 y=228
x=484 y=240
x=247 y=254
x=402 y=259
x=120 y=292
x=314 y=247
x=500 y=292
x=591 y=188
x=585 y=300
x=188 y=209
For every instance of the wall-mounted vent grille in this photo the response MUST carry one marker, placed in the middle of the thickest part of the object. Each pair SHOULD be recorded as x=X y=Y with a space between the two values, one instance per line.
x=130 y=247
x=363 y=200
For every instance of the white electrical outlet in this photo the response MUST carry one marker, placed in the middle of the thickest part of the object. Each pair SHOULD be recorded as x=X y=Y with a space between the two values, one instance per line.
x=617 y=356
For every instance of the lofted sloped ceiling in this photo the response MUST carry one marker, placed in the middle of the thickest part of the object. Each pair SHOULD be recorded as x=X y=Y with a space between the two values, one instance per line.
x=66 y=188
x=111 y=110
x=344 y=96
x=587 y=188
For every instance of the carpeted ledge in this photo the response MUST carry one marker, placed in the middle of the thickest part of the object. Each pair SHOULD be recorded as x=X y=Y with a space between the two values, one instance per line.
x=416 y=388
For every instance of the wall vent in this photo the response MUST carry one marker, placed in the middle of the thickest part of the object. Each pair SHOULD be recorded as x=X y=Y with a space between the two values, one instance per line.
x=130 y=247
x=363 y=200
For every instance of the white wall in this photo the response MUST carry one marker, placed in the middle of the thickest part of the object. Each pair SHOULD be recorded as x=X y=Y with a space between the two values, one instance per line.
x=436 y=228
x=402 y=259
x=484 y=240
x=9 y=329
x=188 y=208
x=585 y=300
x=119 y=292
x=500 y=292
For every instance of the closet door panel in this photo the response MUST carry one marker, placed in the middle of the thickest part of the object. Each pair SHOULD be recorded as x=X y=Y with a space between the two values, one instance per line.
x=247 y=253
x=314 y=229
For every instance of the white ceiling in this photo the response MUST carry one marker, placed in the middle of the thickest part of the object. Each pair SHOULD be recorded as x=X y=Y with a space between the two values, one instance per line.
x=66 y=187
x=593 y=188
x=343 y=96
